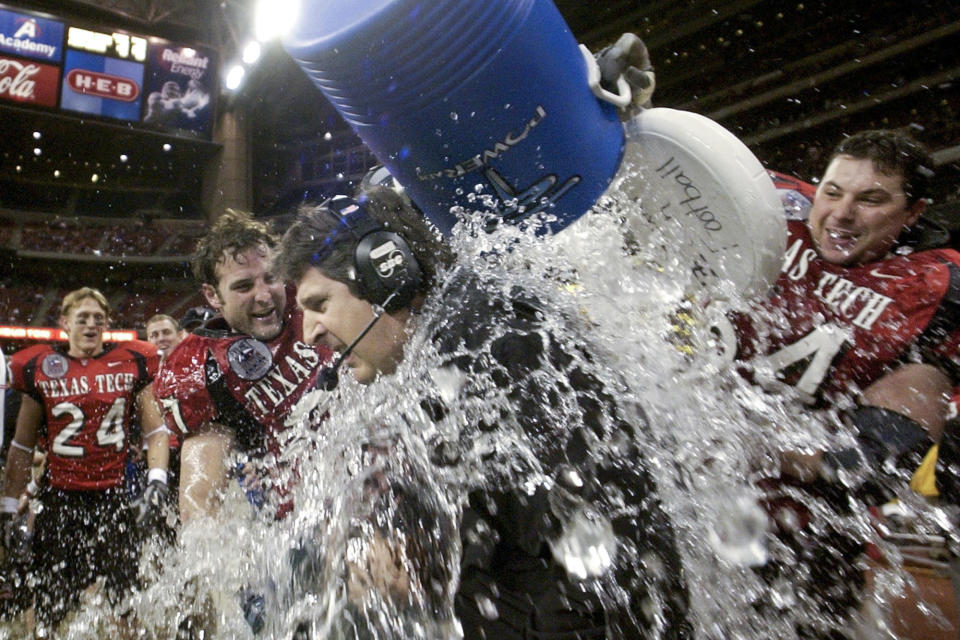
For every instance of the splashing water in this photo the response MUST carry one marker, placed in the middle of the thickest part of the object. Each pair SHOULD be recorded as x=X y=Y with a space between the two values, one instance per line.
x=374 y=542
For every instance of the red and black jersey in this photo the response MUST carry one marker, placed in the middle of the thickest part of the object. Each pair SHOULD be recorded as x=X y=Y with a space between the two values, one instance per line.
x=831 y=330
x=87 y=404
x=239 y=381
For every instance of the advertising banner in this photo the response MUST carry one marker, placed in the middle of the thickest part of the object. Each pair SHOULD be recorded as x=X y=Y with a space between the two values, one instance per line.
x=149 y=81
x=102 y=86
x=179 y=87
x=28 y=82
x=31 y=36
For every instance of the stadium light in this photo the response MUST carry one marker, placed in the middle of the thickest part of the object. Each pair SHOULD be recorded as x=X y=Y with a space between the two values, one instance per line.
x=251 y=52
x=274 y=18
x=234 y=77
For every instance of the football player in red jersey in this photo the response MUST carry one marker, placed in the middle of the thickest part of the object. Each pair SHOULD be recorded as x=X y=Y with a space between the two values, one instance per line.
x=862 y=296
x=165 y=333
x=230 y=384
x=863 y=323
x=83 y=396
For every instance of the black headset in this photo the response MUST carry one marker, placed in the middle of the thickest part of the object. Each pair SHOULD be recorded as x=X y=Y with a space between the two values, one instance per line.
x=388 y=274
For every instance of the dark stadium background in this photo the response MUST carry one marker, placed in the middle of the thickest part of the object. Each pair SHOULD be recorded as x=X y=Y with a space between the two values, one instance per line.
x=789 y=78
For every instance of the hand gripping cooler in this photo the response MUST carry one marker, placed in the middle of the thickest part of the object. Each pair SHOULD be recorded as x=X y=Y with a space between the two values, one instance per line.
x=451 y=94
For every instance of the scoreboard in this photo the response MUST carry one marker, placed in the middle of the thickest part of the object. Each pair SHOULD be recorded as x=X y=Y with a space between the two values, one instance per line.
x=52 y=63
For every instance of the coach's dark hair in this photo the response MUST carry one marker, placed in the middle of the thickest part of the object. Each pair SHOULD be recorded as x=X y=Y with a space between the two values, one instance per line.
x=892 y=153
x=231 y=234
x=317 y=238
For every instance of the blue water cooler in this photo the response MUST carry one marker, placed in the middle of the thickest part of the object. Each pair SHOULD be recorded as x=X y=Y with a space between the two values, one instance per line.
x=474 y=106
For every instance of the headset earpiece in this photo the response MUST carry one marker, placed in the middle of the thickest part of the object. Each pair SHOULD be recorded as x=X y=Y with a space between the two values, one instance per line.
x=383 y=259
x=386 y=265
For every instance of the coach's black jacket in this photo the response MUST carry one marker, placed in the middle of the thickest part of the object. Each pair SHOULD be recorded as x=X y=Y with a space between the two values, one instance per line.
x=533 y=366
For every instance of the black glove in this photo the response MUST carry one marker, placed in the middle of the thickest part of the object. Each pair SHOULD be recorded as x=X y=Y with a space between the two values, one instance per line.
x=629 y=58
x=17 y=537
x=891 y=447
x=149 y=506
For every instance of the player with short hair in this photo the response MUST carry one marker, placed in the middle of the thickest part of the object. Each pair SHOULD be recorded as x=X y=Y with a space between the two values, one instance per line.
x=862 y=323
x=81 y=397
x=163 y=463
x=862 y=296
x=230 y=384
x=164 y=332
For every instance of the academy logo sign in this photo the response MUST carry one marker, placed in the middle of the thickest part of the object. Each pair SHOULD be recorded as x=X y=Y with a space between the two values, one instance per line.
x=31 y=36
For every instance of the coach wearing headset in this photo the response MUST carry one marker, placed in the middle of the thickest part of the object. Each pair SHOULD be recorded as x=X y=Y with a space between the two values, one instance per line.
x=370 y=273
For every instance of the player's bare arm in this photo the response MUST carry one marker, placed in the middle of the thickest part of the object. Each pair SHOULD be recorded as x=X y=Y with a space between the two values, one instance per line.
x=917 y=391
x=16 y=474
x=203 y=472
x=156 y=434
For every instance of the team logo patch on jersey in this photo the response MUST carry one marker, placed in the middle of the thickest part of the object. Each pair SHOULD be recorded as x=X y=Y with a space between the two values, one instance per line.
x=249 y=358
x=54 y=366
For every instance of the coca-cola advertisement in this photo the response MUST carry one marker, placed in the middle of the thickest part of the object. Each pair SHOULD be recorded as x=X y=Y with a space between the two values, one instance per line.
x=102 y=86
x=28 y=82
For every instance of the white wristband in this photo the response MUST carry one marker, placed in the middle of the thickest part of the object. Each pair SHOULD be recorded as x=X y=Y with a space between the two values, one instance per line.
x=157 y=473
x=157 y=430
x=9 y=505
x=32 y=489
x=17 y=445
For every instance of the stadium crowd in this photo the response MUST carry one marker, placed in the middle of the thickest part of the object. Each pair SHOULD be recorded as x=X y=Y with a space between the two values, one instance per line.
x=97 y=237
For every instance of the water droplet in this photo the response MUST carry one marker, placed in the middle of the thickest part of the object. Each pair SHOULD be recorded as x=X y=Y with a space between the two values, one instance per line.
x=587 y=545
x=739 y=534
x=486 y=607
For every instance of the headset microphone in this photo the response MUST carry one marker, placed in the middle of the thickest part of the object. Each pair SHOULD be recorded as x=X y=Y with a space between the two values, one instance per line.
x=329 y=378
